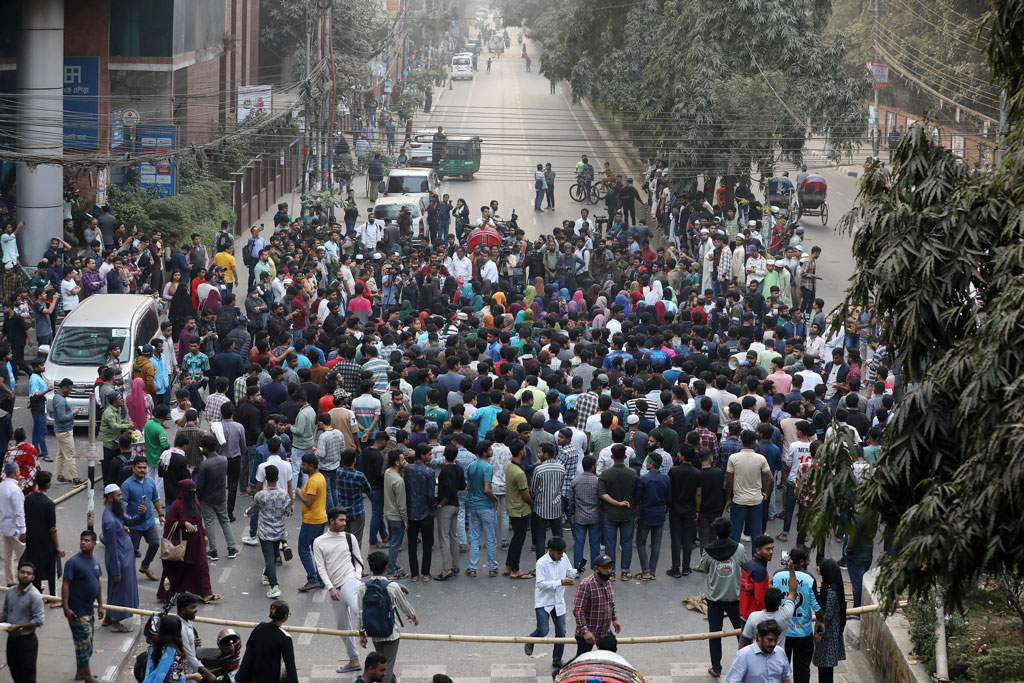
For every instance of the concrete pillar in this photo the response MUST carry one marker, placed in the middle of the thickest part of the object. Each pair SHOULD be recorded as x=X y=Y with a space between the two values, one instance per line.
x=40 y=123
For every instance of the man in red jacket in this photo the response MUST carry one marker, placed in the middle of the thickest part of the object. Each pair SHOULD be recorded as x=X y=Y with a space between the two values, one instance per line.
x=756 y=578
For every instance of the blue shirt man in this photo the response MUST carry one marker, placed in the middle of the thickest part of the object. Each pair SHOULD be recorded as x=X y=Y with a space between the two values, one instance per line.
x=479 y=473
x=133 y=490
x=753 y=665
x=800 y=626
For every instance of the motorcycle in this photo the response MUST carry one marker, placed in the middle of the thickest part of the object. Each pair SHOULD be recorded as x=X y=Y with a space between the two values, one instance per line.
x=221 y=661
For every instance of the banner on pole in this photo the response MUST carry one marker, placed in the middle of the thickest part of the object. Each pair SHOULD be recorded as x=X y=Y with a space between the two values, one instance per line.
x=880 y=72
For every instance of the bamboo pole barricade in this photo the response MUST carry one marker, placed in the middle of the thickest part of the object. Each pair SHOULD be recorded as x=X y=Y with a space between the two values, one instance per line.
x=462 y=638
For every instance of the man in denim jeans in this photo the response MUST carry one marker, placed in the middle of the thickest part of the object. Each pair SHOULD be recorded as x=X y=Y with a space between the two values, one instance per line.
x=859 y=551
x=396 y=514
x=616 y=487
x=745 y=492
x=585 y=512
x=481 y=509
x=554 y=573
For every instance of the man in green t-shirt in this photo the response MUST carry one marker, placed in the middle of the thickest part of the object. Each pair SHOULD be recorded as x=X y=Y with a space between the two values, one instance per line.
x=616 y=488
x=519 y=504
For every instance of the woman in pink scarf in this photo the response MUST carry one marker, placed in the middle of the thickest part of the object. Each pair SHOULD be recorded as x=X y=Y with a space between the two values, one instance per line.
x=140 y=404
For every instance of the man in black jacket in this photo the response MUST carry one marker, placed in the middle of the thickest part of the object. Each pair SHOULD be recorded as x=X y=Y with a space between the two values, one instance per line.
x=682 y=517
x=628 y=196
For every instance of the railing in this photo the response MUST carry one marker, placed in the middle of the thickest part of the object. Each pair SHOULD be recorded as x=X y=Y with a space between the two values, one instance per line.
x=258 y=186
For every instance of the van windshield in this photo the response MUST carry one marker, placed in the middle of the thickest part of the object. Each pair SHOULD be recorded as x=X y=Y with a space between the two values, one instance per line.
x=87 y=345
x=462 y=61
x=408 y=184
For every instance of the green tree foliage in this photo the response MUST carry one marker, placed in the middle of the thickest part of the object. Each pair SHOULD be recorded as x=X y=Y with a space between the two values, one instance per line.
x=943 y=255
x=715 y=87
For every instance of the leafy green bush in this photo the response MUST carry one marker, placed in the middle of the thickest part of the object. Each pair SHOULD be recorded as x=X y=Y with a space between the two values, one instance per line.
x=1000 y=664
x=922 y=631
x=131 y=204
x=199 y=208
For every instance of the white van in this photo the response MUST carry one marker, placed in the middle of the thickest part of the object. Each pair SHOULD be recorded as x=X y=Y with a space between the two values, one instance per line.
x=462 y=66
x=412 y=182
x=81 y=343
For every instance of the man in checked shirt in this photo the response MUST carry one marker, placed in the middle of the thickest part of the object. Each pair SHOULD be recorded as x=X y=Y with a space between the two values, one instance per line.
x=594 y=608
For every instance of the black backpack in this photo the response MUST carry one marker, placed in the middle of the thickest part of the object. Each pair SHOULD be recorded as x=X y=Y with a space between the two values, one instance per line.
x=222 y=242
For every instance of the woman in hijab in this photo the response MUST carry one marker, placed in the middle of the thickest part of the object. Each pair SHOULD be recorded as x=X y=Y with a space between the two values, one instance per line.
x=653 y=293
x=488 y=322
x=592 y=294
x=140 y=404
x=499 y=298
x=538 y=284
x=599 y=319
x=180 y=309
x=529 y=296
x=184 y=524
x=659 y=310
x=635 y=295
x=528 y=317
x=538 y=310
x=623 y=300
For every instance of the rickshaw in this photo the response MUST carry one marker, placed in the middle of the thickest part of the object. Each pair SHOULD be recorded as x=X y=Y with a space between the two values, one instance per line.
x=608 y=667
x=780 y=192
x=461 y=157
x=812 y=198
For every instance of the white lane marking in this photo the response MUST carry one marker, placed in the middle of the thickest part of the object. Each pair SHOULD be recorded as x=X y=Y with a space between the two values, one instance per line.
x=224 y=575
x=310 y=621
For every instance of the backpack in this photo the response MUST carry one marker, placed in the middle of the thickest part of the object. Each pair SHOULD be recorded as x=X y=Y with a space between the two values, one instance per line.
x=247 y=258
x=222 y=241
x=378 y=610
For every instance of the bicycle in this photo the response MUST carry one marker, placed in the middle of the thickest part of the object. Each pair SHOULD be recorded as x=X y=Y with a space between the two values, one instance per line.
x=579 y=192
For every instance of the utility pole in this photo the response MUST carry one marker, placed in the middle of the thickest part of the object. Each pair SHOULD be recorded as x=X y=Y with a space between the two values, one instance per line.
x=876 y=137
x=1001 y=132
x=308 y=96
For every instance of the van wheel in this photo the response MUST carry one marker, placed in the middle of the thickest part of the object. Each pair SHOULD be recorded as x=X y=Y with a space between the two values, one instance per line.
x=467 y=176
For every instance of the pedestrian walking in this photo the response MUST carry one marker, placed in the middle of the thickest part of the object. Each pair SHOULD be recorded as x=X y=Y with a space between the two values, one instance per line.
x=616 y=487
x=829 y=648
x=396 y=511
x=42 y=546
x=268 y=650
x=722 y=561
x=211 y=481
x=653 y=499
x=546 y=491
x=352 y=486
x=140 y=491
x=12 y=521
x=763 y=661
x=63 y=429
x=594 y=607
x=272 y=504
x=328 y=451
x=553 y=573
x=22 y=611
x=339 y=564
x=119 y=557
x=83 y=586
x=380 y=602
x=314 y=518
x=184 y=524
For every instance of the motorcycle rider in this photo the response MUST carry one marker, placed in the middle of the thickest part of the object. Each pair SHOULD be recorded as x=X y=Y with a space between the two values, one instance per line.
x=187 y=605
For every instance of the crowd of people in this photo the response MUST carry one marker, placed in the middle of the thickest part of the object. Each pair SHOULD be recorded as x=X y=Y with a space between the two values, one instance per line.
x=593 y=387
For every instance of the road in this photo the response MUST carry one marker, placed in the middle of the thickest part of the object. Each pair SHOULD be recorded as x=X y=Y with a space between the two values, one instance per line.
x=522 y=124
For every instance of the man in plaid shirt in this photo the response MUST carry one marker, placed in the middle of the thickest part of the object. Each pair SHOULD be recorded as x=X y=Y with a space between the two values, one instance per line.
x=586 y=404
x=351 y=485
x=570 y=456
x=594 y=608
x=346 y=375
x=730 y=444
x=707 y=437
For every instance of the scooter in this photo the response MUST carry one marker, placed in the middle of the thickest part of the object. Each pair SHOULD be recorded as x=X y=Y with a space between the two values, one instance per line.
x=221 y=661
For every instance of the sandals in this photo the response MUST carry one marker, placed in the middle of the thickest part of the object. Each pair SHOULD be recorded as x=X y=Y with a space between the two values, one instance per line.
x=427 y=577
x=347 y=668
x=782 y=537
x=118 y=627
x=646 y=577
x=527 y=575
x=444 y=577
x=471 y=573
x=492 y=573
x=212 y=598
x=626 y=576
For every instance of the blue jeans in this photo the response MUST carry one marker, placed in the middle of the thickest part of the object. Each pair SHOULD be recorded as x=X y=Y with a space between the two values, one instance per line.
x=482 y=520
x=377 y=527
x=624 y=531
x=858 y=564
x=444 y=228
x=538 y=199
x=396 y=532
x=460 y=524
x=307 y=534
x=579 y=536
x=39 y=434
x=297 y=475
x=740 y=515
x=332 y=482
x=542 y=629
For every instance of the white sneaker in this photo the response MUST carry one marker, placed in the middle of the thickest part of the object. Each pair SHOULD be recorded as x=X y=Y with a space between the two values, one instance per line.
x=744 y=538
x=274 y=592
x=264 y=580
x=249 y=540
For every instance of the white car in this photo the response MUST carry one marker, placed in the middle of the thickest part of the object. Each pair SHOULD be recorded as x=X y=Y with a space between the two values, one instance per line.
x=462 y=66
x=390 y=207
x=421 y=151
x=412 y=182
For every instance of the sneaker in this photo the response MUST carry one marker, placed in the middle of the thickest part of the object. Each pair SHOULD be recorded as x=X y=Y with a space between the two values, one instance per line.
x=674 y=573
x=686 y=572
x=232 y=553
x=250 y=540
x=274 y=592
x=287 y=551
x=264 y=580
x=308 y=586
x=528 y=648
x=744 y=538
x=212 y=557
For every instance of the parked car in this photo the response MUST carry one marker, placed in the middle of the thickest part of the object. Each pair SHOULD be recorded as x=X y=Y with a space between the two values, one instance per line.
x=420 y=151
x=390 y=207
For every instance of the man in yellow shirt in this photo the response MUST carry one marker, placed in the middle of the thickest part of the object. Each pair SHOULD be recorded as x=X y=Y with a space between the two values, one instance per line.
x=314 y=516
x=226 y=260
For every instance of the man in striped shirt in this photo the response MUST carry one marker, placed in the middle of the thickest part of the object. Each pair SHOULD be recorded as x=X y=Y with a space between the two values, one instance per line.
x=546 y=491
x=378 y=366
x=570 y=456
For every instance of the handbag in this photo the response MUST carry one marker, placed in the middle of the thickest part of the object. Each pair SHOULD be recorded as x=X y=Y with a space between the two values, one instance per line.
x=171 y=552
x=382 y=187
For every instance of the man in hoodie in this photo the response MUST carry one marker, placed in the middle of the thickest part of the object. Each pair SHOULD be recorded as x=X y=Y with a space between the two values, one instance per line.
x=755 y=580
x=722 y=561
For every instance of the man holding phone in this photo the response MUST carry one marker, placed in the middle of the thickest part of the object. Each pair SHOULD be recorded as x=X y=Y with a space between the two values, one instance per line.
x=554 y=573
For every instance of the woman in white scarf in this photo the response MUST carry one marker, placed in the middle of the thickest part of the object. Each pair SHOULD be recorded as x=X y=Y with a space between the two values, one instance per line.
x=653 y=293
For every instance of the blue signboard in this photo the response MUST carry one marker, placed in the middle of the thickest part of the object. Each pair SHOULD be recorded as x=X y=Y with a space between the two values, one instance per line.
x=157 y=174
x=81 y=102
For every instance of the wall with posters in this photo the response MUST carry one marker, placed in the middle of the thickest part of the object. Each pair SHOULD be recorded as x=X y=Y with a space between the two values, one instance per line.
x=158 y=175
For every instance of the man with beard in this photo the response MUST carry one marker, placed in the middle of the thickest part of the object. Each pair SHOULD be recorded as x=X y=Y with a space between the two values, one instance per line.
x=119 y=556
x=22 y=611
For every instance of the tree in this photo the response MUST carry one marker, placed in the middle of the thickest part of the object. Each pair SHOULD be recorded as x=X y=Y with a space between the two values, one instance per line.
x=715 y=87
x=943 y=254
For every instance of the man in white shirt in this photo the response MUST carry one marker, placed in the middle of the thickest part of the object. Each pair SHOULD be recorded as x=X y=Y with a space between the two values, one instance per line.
x=370 y=232
x=584 y=220
x=12 y=523
x=486 y=218
x=462 y=265
x=489 y=271
x=340 y=566
x=280 y=285
x=554 y=573
x=811 y=378
x=815 y=344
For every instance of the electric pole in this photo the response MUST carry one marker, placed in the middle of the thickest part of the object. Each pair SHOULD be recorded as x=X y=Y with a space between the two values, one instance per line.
x=876 y=137
x=308 y=96
x=1002 y=130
